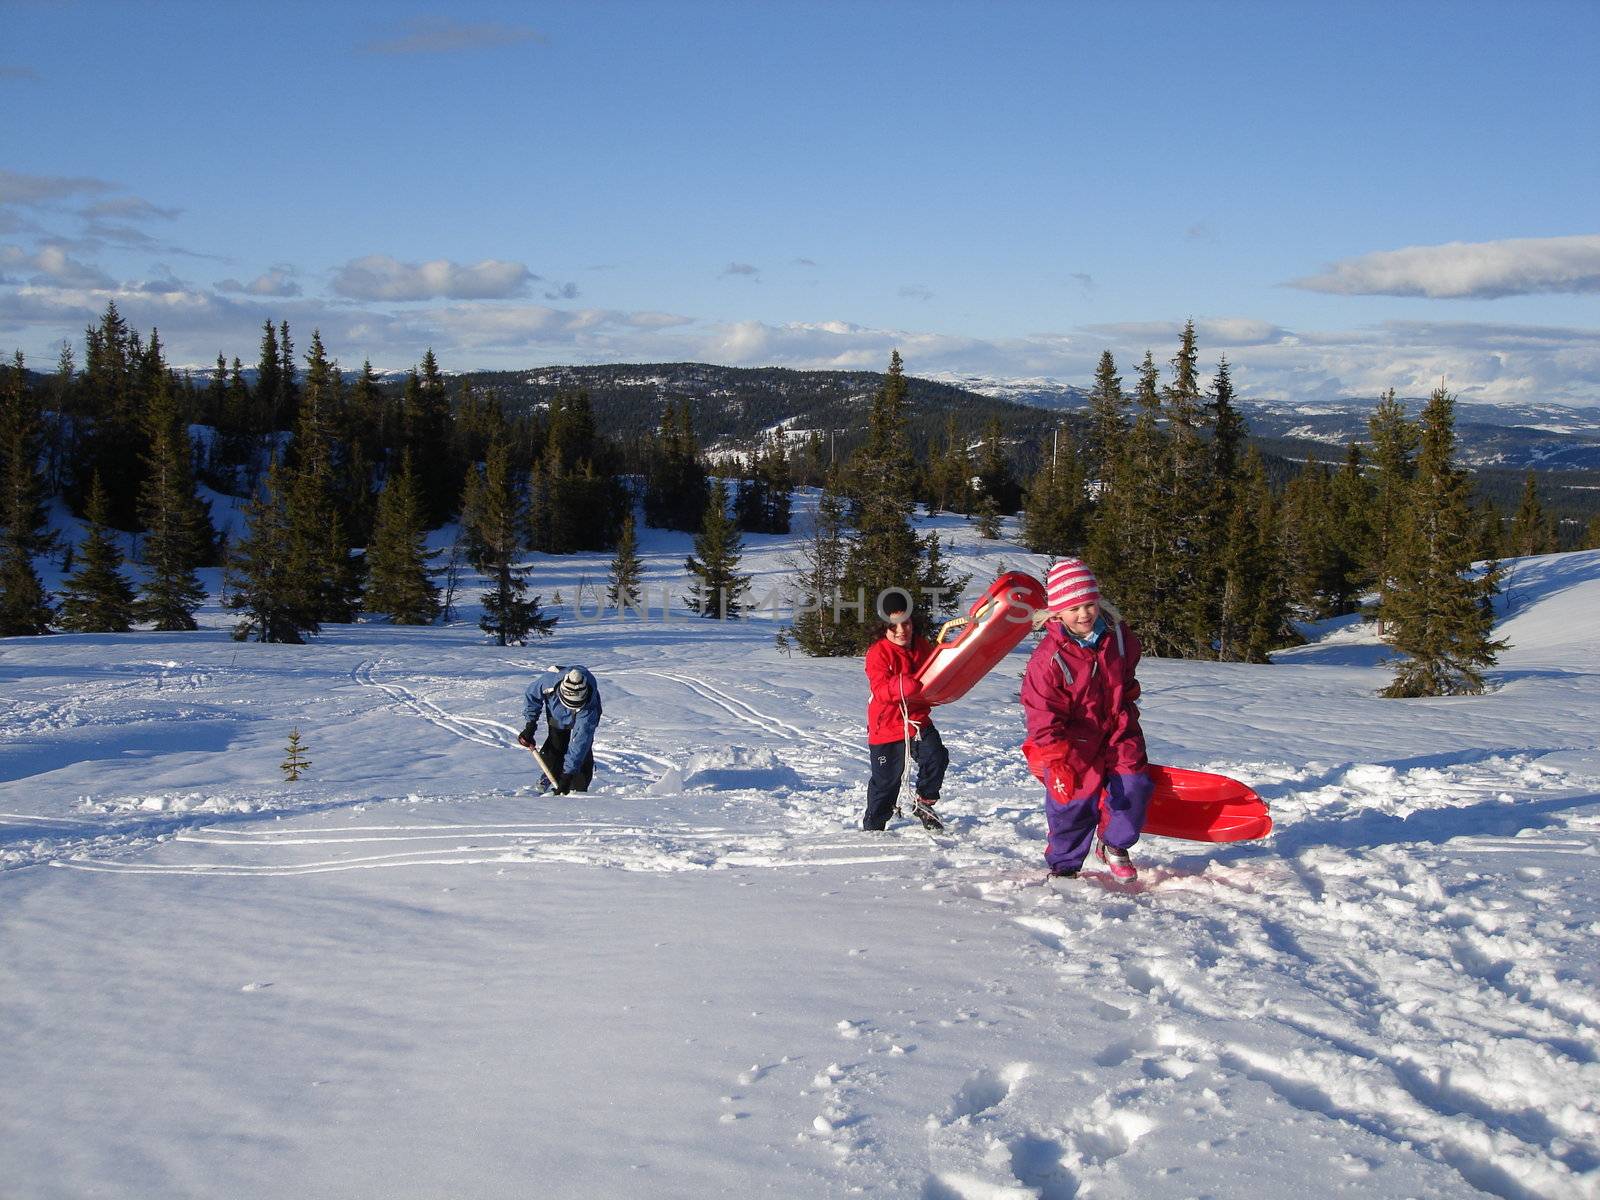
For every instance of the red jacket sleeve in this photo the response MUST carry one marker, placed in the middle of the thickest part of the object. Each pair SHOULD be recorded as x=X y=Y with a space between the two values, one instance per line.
x=886 y=677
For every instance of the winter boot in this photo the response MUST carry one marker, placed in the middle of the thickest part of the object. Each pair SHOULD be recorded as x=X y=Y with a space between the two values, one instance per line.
x=922 y=810
x=1116 y=861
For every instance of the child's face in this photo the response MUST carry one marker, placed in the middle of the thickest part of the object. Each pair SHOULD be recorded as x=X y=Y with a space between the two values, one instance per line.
x=1080 y=618
x=899 y=630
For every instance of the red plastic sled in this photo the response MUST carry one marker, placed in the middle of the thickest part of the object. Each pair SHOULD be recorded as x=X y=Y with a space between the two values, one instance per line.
x=1201 y=807
x=968 y=647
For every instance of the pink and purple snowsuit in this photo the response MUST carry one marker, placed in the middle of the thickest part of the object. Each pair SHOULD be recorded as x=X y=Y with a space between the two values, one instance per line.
x=1084 y=742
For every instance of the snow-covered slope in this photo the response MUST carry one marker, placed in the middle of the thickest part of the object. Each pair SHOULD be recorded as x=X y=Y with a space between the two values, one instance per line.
x=409 y=975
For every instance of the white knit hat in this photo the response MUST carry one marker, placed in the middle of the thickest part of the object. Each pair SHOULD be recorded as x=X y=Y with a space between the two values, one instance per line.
x=1070 y=583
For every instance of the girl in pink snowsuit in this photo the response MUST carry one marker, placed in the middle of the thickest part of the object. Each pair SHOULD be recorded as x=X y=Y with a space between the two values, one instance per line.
x=1084 y=742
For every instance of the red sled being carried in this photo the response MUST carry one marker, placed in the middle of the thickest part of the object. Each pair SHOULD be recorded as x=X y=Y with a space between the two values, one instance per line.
x=968 y=647
x=1200 y=807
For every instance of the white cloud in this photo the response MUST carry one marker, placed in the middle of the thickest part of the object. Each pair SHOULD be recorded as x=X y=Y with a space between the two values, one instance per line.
x=380 y=277
x=53 y=267
x=1468 y=270
x=279 y=281
x=740 y=268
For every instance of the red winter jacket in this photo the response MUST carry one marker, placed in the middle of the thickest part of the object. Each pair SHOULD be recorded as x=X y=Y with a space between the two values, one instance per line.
x=891 y=674
x=1083 y=719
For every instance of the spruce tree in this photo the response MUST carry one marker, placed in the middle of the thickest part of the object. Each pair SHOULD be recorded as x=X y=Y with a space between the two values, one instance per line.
x=24 y=604
x=941 y=587
x=97 y=597
x=25 y=608
x=110 y=429
x=1438 y=615
x=819 y=627
x=473 y=500
x=63 y=399
x=572 y=506
x=885 y=552
x=719 y=588
x=675 y=482
x=1212 y=533
x=295 y=761
x=774 y=470
x=626 y=578
x=1254 y=608
x=498 y=522
x=398 y=581
x=23 y=512
x=762 y=502
x=1350 y=498
x=1055 y=516
x=995 y=477
x=950 y=473
x=1309 y=541
x=1531 y=530
x=319 y=544
x=426 y=429
x=266 y=579
x=286 y=401
x=177 y=522
x=1195 y=509
x=269 y=370
x=1108 y=422
x=1129 y=531
x=1394 y=447
x=987 y=518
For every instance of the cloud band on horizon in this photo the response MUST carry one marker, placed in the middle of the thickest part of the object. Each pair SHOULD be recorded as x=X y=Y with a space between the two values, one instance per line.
x=380 y=277
x=1468 y=270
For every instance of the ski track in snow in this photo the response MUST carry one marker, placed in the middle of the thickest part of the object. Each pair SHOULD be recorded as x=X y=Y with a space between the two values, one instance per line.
x=474 y=729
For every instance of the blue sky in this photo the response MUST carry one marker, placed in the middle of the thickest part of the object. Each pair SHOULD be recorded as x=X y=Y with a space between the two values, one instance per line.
x=1344 y=197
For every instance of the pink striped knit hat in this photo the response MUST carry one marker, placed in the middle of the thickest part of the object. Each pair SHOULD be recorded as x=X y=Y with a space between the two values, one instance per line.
x=1070 y=583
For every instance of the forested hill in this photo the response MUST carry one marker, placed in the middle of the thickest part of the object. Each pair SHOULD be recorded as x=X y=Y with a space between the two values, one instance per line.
x=732 y=405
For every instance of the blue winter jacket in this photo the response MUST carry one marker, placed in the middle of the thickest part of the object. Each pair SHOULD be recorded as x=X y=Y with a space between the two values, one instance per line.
x=542 y=696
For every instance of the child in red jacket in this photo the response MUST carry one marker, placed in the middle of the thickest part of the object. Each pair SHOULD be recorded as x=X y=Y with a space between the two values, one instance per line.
x=898 y=720
x=1084 y=742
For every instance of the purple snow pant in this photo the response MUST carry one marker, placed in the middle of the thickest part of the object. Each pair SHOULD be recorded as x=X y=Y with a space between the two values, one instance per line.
x=1116 y=809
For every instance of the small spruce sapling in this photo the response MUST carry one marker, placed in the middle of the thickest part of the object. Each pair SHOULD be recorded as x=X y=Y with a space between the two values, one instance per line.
x=296 y=761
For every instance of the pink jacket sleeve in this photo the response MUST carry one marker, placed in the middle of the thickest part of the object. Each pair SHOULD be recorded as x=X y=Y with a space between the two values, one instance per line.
x=1127 y=739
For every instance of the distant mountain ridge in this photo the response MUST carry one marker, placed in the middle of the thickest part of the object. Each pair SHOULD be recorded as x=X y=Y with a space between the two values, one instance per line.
x=1544 y=437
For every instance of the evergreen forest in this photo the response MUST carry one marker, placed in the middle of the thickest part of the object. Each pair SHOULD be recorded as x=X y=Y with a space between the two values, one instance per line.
x=1209 y=547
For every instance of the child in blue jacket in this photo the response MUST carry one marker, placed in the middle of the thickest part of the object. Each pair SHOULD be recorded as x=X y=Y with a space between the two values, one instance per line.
x=569 y=697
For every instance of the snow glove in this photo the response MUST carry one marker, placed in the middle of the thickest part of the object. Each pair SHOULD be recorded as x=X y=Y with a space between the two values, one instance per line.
x=1051 y=768
x=525 y=738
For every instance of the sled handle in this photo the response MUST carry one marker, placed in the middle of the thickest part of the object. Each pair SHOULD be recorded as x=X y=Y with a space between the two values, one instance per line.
x=957 y=622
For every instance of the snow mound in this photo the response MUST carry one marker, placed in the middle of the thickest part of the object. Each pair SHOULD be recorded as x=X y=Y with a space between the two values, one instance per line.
x=738 y=768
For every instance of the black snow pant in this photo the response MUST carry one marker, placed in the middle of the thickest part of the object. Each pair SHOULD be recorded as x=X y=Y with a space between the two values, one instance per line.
x=888 y=765
x=554 y=753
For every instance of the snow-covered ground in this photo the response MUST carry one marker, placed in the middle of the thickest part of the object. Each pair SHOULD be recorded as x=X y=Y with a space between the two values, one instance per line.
x=409 y=975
